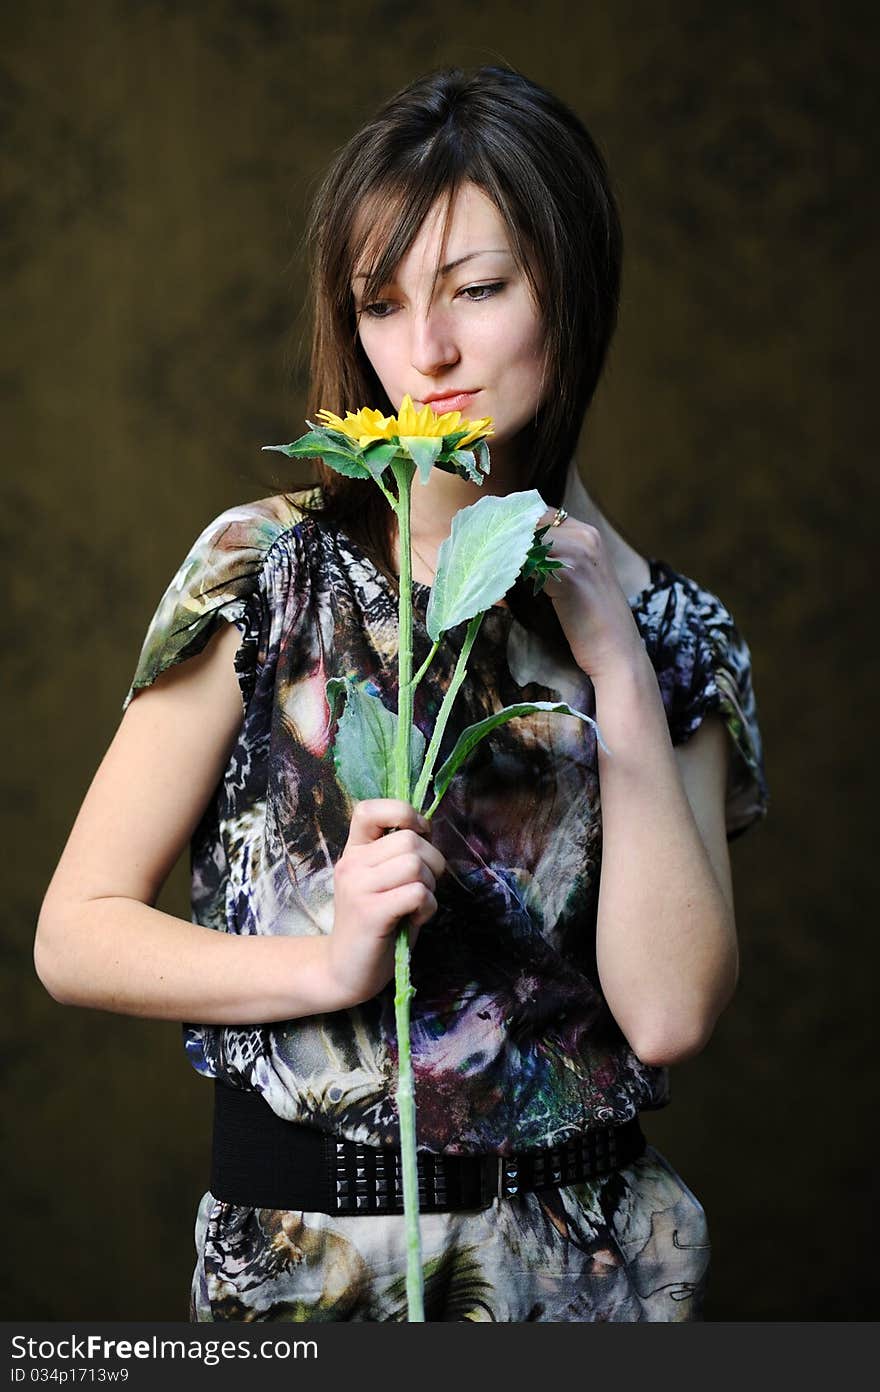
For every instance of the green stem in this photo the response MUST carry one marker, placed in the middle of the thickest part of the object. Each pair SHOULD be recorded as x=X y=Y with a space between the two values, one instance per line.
x=388 y=494
x=425 y=665
x=404 y=471
x=443 y=714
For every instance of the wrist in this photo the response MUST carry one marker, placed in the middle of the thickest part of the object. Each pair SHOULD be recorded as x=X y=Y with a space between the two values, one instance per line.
x=328 y=992
x=629 y=705
x=627 y=675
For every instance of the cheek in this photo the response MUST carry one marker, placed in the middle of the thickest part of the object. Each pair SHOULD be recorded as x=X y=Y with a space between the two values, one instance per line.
x=380 y=355
x=522 y=358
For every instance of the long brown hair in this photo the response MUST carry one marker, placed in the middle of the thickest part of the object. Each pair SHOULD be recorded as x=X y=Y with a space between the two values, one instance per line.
x=534 y=158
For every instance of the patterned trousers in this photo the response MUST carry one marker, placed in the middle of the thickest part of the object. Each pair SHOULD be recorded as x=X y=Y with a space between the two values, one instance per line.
x=632 y=1246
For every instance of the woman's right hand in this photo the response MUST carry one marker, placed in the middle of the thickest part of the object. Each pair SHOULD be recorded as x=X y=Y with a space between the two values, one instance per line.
x=378 y=880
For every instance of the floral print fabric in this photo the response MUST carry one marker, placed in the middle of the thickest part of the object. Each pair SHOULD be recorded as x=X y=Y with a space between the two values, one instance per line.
x=514 y=1047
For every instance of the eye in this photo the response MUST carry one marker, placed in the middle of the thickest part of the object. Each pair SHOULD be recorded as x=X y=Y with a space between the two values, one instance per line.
x=476 y=293
x=379 y=309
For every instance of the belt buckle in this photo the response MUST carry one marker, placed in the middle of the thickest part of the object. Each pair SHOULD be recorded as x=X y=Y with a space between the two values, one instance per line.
x=499 y=1178
x=491 y=1179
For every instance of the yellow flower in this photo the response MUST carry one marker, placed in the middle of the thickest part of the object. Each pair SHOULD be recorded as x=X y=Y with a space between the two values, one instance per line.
x=479 y=429
x=426 y=422
x=365 y=426
x=368 y=425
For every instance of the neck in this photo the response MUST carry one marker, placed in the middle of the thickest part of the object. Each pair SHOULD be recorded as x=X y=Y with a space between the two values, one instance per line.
x=434 y=504
x=579 y=504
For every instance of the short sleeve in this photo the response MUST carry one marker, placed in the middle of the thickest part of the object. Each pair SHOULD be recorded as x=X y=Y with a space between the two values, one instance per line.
x=704 y=667
x=220 y=580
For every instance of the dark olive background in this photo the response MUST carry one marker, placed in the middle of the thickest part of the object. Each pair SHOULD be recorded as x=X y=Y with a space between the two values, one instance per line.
x=157 y=161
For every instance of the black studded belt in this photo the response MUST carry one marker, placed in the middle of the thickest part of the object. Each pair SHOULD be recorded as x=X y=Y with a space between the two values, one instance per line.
x=263 y=1161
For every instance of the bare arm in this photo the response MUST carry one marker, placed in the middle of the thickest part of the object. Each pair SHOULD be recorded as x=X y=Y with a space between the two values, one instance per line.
x=666 y=936
x=101 y=942
x=666 y=945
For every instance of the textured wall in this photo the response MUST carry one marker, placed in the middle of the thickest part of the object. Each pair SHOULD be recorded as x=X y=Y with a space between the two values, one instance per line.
x=158 y=158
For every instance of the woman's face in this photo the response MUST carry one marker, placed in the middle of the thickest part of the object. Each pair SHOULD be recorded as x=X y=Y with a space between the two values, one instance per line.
x=477 y=346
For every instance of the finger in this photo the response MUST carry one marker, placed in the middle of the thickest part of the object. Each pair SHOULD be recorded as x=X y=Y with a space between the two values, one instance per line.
x=413 y=901
x=374 y=816
x=402 y=870
x=546 y=520
x=402 y=843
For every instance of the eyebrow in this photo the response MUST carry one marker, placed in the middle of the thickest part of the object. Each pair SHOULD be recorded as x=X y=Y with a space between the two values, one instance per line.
x=451 y=265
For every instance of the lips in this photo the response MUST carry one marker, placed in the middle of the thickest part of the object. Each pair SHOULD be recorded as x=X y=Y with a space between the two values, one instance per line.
x=455 y=401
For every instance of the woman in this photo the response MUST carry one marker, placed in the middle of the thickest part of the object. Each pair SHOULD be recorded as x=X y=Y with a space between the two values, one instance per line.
x=467 y=253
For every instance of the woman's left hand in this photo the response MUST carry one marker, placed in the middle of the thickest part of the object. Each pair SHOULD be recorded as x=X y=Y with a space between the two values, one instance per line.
x=592 y=609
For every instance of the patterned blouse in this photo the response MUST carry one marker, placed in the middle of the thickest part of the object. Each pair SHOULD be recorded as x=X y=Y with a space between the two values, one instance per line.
x=513 y=1044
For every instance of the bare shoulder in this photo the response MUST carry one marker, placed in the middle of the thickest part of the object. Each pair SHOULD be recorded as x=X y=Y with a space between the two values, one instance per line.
x=151 y=789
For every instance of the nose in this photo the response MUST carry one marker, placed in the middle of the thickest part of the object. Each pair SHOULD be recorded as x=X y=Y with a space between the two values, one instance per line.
x=433 y=343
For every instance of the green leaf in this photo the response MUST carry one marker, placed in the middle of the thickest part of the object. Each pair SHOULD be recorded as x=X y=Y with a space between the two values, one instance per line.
x=481 y=454
x=539 y=564
x=344 y=464
x=470 y=738
x=377 y=457
x=481 y=558
x=316 y=445
x=466 y=465
x=423 y=451
x=336 y=439
x=451 y=441
x=292 y=451
x=472 y=463
x=308 y=446
x=363 y=750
